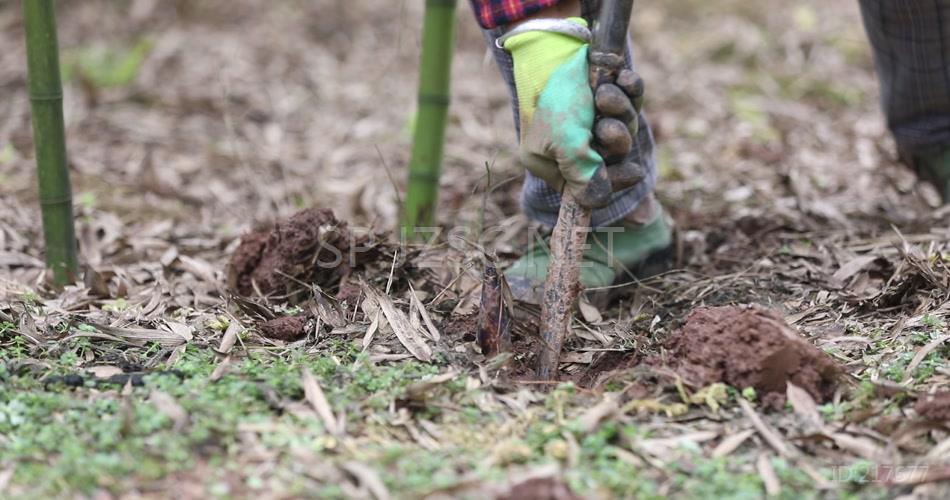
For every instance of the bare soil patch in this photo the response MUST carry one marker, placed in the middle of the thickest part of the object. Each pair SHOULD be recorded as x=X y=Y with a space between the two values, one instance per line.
x=750 y=346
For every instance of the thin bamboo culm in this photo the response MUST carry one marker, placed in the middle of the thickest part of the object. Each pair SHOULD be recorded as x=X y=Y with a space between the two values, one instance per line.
x=49 y=138
x=438 y=41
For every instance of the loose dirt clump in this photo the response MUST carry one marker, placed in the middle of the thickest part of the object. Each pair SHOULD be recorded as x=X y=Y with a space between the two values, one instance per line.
x=287 y=328
x=311 y=247
x=750 y=346
x=934 y=406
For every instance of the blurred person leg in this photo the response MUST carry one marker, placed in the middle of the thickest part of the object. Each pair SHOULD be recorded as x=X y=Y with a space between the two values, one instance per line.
x=911 y=42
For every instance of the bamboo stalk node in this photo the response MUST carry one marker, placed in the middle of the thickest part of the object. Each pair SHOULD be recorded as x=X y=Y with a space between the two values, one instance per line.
x=56 y=200
x=50 y=96
x=438 y=100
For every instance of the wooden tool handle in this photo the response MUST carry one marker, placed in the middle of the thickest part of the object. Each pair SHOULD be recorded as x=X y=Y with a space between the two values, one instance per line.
x=608 y=42
x=562 y=284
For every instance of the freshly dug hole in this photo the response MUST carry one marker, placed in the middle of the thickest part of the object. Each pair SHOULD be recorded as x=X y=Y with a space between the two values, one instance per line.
x=750 y=346
x=312 y=246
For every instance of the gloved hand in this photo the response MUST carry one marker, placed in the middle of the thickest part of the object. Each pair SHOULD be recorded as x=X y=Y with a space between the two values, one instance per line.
x=558 y=112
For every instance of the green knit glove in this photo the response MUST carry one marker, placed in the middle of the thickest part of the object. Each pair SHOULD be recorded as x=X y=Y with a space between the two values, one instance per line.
x=557 y=110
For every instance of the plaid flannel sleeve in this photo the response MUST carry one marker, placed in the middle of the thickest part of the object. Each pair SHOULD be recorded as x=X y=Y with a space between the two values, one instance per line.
x=495 y=13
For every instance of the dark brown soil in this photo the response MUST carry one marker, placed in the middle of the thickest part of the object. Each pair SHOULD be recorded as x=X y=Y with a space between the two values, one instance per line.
x=287 y=328
x=541 y=488
x=605 y=366
x=312 y=247
x=461 y=328
x=934 y=406
x=750 y=346
x=349 y=292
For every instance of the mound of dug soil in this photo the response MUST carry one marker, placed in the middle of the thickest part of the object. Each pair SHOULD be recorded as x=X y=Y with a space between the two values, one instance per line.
x=288 y=328
x=750 y=346
x=310 y=247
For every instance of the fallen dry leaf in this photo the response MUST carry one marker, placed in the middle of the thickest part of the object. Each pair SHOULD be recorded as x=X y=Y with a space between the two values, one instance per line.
x=140 y=336
x=220 y=369
x=770 y=435
x=769 y=478
x=184 y=331
x=230 y=336
x=852 y=267
x=371 y=330
x=731 y=443
x=921 y=355
x=104 y=371
x=589 y=312
x=805 y=406
x=369 y=479
x=421 y=309
x=593 y=417
x=410 y=338
x=314 y=394
x=168 y=406
x=665 y=448
x=862 y=447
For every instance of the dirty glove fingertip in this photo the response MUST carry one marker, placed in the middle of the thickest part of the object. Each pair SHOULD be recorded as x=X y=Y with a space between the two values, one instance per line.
x=597 y=192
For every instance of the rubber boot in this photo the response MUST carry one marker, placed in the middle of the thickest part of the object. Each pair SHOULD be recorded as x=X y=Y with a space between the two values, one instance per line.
x=619 y=254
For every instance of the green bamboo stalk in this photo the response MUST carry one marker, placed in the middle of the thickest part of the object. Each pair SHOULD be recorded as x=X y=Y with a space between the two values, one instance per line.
x=438 y=40
x=49 y=138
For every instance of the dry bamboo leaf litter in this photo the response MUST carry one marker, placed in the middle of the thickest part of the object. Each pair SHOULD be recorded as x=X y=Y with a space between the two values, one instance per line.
x=776 y=222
